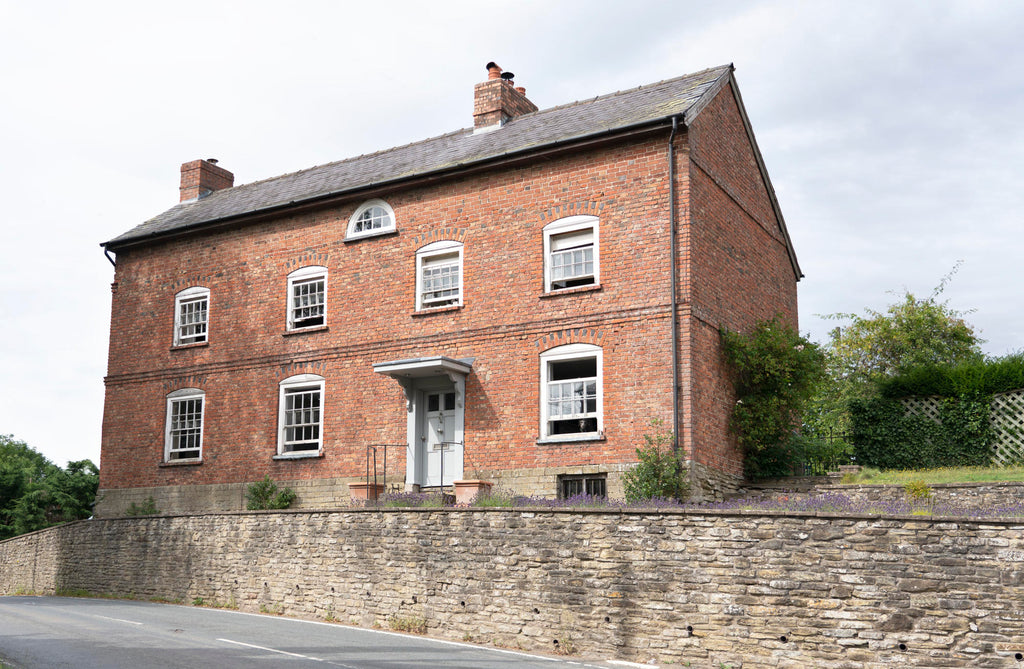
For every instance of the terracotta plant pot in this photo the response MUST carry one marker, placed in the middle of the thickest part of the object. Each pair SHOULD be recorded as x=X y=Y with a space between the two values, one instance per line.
x=365 y=492
x=465 y=491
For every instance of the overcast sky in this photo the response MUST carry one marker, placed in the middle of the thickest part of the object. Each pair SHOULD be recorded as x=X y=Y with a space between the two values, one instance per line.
x=893 y=133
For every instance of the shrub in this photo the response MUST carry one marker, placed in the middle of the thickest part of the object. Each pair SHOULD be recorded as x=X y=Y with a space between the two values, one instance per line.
x=264 y=495
x=918 y=491
x=660 y=472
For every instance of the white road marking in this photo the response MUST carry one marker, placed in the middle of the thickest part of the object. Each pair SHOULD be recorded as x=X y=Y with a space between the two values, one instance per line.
x=120 y=620
x=623 y=663
x=284 y=652
x=271 y=650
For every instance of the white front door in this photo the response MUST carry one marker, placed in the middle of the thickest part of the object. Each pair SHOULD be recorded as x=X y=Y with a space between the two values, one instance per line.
x=441 y=437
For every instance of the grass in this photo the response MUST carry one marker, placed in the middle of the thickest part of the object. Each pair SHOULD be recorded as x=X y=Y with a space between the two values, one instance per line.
x=410 y=624
x=942 y=475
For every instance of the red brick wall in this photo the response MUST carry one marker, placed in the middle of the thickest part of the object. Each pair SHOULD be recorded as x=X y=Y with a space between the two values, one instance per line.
x=505 y=324
x=740 y=271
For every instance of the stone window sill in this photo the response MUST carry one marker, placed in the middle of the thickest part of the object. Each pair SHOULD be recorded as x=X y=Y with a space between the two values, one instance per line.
x=437 y=310
x=572 y=438
x=184 y=347
x=370 y=235
x=571 y=291
x=315 y=328
x=299 y=455
x=182 y=463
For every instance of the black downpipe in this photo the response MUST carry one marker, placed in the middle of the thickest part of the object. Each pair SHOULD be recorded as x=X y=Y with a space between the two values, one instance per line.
x=106 y=252
x=675 y=287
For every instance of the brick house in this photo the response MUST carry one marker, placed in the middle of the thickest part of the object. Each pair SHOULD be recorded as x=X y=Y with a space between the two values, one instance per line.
x=496 y=302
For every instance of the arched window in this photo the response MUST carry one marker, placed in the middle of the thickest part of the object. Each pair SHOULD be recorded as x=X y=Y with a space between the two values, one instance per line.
x=307 y=297
x=439 y=275
x=183 y=431
x=571 y=255
x=571 y=392
x=375 y=217
x=300 y=415
x=191 y=316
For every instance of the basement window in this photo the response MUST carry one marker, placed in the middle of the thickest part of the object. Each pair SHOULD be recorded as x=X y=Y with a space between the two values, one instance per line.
x=593 y=485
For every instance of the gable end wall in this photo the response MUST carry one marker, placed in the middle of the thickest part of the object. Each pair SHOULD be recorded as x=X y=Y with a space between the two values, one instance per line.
x=739 y=267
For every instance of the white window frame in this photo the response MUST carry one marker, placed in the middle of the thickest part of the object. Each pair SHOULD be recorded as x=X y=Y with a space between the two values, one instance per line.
x=186 y=297
x=565 y=353
x=434 y=253
x=384 y=229
x=173 y=399
x=290 y=387
x=302 y=276
x=567 y=225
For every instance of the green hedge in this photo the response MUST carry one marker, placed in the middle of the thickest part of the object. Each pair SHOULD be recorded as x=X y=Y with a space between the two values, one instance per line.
x=886 y=436
x=987 y=377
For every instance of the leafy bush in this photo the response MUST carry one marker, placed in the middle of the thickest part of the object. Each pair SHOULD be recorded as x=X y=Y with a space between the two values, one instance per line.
x=264 y=495
x=660 y=472
x=775 y=371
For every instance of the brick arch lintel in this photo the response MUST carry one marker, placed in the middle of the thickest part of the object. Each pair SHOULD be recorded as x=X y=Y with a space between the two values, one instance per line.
x=188 y=281
x=293 y=368
x=571 y=336
x=310 y=257
x=581 y=208
x=179 y=382
x=439 y=234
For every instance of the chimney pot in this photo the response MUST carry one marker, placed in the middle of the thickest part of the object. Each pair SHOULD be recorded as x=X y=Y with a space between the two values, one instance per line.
x=497 y=100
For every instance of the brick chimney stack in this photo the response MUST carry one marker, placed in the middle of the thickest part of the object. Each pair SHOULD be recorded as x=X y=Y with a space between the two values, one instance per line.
x=497 y=101
x=199 y=178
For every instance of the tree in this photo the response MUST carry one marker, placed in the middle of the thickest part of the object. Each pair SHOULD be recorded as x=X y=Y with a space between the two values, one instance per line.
x=911 y=333
x=35 y=493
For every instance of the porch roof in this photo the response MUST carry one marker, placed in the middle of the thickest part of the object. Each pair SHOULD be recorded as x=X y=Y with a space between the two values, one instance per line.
x=415 y=368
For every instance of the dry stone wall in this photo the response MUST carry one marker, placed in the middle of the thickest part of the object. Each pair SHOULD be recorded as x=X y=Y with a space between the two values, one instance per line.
x=746 y=590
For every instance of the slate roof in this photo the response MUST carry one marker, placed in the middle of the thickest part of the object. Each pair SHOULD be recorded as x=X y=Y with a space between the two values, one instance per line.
x=576 y=121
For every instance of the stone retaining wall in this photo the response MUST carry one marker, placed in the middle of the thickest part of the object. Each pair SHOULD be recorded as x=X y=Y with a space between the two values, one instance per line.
x=964 y=495
x=747 y=590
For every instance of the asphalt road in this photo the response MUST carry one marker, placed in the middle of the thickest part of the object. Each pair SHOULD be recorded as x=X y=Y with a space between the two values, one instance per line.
x=55 y=632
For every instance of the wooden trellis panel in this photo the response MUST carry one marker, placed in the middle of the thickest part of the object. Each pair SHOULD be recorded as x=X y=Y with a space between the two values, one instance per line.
x=1008 y=423
x=926 y=407
x=1007 y=412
